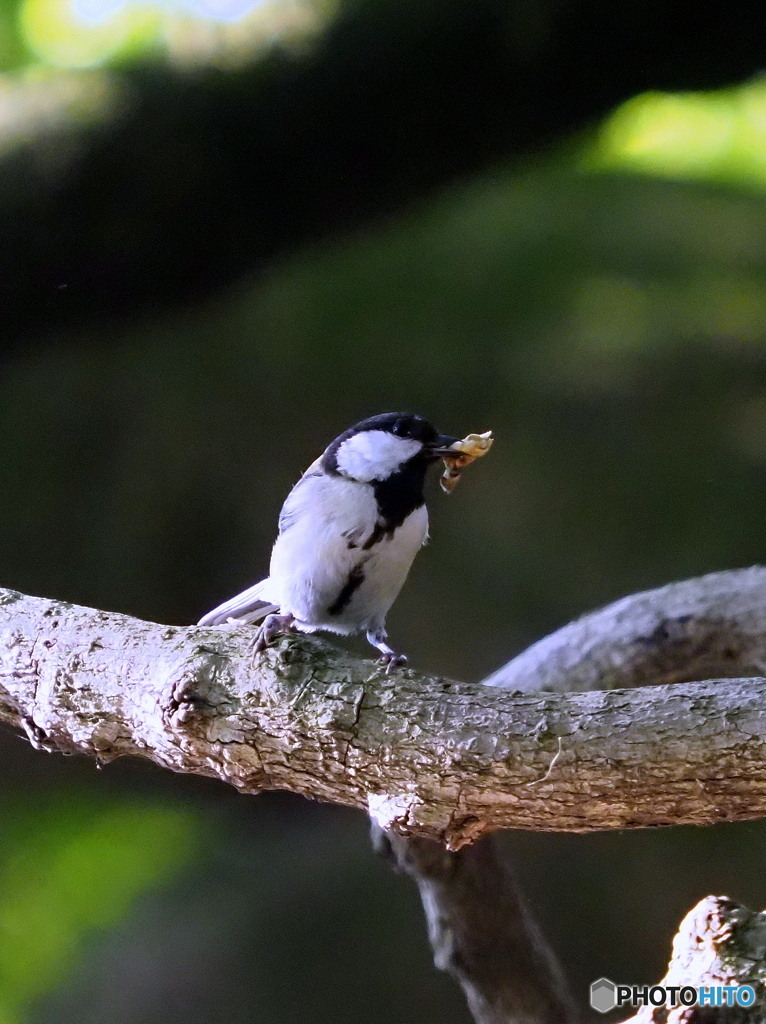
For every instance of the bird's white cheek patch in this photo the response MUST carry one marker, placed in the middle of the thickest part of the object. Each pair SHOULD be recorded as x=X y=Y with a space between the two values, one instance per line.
x=374 y=455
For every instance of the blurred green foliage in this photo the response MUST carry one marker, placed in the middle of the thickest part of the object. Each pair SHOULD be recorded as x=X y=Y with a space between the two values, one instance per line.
x=713 y=136
x=91 y=33
x=13 y=50
x=608 y=329
x=70 y=864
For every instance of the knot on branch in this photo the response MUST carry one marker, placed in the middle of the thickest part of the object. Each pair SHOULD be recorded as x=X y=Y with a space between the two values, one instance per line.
x=202 y=688
x=37 y=737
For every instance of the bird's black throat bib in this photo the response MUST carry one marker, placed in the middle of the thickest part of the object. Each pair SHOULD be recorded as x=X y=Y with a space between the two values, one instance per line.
x=401 y=493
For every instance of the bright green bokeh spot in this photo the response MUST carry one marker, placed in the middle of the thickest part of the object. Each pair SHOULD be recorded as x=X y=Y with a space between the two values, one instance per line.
x=13 y=53
x=90 y=33
x=717 y=136
x=68 y=869
x=60 y=34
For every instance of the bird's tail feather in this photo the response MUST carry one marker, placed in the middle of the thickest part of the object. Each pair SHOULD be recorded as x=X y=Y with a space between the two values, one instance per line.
x=251 y=605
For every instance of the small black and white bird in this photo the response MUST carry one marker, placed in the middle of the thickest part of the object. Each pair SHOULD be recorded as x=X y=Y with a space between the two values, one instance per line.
x=348 y=533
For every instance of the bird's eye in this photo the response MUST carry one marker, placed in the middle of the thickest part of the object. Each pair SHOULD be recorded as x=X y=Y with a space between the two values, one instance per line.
x=399 y=428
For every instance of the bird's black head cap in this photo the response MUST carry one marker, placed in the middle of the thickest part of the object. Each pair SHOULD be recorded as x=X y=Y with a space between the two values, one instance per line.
x=402 y=424
x=399 y=490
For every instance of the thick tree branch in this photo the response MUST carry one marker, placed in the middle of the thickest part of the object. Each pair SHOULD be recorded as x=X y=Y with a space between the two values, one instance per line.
x=712 y=626
x=480 y=930
x=425 y=756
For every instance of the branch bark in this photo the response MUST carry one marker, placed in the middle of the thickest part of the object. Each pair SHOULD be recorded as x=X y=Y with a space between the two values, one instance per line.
x=482 y=932
x=719 y=942
x=426 y=756
x=480 y=929
x=713 y=626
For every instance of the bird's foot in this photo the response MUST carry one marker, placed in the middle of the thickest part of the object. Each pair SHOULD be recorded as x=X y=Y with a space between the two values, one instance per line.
x=271 y=627
x=388 y=657
x=392 y=661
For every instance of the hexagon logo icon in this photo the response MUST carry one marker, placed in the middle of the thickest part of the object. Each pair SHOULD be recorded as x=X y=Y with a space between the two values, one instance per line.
x=603 y=995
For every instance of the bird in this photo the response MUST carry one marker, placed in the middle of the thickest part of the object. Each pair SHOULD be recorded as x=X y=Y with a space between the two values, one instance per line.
x=349 y=531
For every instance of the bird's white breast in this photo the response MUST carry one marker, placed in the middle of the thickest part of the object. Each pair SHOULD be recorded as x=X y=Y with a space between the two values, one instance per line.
x=331 y=518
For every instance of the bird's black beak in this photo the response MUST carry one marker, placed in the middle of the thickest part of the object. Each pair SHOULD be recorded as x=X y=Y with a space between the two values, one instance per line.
x=442 y=446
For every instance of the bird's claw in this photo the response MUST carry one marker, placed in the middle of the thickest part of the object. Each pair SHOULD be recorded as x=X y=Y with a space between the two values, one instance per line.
x=389 y=658
x=271 y=627
x=392 y=661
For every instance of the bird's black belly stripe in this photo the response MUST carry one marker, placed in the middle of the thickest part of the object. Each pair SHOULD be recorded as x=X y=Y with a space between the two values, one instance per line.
x=354 y=581
x=377 y=535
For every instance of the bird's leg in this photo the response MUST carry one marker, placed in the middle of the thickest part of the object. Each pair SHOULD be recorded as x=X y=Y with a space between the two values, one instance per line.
x=270 y=629
x=389 y=658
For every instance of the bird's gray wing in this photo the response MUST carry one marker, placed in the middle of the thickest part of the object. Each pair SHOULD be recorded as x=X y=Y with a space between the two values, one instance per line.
x=251 y=605
x=295 y=506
